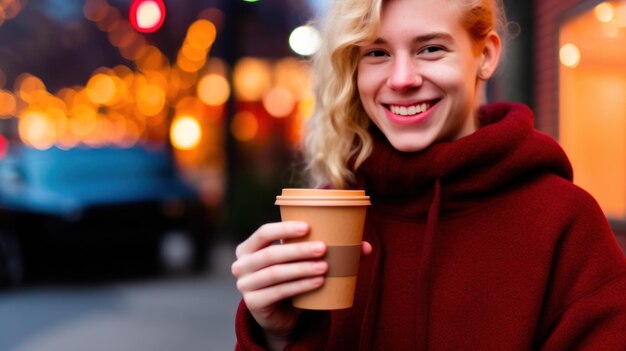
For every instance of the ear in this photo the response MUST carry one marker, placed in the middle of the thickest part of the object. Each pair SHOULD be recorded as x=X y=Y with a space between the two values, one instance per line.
x=490 y=56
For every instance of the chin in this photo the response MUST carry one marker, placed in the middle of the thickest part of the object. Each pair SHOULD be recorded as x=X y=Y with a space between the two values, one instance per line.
x=408 y=146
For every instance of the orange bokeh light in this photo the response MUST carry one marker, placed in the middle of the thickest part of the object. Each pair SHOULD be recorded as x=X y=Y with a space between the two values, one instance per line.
x=251 y=79
x=279 y=102
x=8 y=104
x=150 y=100
x=213 y=90
x=37 y=129
x=244 y=126
x=102 y=90
x=201 y=34
x=30 y=88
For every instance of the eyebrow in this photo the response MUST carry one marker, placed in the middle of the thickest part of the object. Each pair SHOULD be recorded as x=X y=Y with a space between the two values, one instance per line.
x=423 y=38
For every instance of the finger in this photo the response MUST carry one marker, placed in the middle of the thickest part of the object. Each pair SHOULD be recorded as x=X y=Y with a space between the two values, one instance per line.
x=259 y=299
x=269 y=233
x=278 y=274
x=276 y=254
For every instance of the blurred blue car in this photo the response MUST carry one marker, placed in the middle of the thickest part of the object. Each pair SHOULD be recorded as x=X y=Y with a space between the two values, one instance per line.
x=109 y=207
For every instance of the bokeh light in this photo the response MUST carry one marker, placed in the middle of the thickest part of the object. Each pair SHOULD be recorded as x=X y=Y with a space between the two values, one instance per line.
x=11 y=8
x=201 y=34
x=150 y=99
x=122 y=36
x=279 y=102
x=95 y=10
x=8 y=104
x=569 y=55
x=294 y=75
x=251 y=79
x=83 y=120
x=37 y=129
x=150 y=58
x=147 y=16
x=111 y=19
x=189 y=106
x=101 y=89
x=193 y=52
x=185 y=133
x=306 y=107
x=213 y=90
x=304 y=40
x=604 y=12
x=187 y=64
x=244 y=126
x=29 y=88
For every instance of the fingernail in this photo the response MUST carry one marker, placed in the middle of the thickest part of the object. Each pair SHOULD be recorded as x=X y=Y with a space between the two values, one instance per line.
x=320 y=266
x=317 y=247
x=317 y=281
x=301 y=227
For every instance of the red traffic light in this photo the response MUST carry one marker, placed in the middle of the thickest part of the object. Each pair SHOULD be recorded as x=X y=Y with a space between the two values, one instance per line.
x=147 y=16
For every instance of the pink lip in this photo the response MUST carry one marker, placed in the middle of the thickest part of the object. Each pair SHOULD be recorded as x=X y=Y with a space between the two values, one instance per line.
x=410 y=120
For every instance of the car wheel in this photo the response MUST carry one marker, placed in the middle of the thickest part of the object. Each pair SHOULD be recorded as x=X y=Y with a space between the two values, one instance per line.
x=180 y=252
x=11 y=264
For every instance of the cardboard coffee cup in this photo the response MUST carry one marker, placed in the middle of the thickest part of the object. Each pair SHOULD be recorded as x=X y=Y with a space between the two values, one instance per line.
x=337 y=218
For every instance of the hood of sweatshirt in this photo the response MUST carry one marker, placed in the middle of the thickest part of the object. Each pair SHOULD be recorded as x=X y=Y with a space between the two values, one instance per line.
x=504 y=152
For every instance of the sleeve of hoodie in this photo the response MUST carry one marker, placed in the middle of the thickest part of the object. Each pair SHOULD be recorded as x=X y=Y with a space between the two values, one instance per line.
x=311 y=333
x=585 y=301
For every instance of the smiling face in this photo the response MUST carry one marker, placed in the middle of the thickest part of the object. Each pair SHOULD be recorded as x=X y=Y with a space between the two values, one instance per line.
x=418 y=81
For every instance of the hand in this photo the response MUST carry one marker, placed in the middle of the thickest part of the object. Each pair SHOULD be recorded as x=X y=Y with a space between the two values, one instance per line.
x=267 y=275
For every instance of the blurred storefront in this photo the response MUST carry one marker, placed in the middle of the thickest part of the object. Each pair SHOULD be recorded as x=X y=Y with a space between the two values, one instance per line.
x=580 y=93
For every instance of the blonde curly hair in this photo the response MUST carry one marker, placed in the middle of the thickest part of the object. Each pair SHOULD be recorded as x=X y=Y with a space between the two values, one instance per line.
x=336 y=137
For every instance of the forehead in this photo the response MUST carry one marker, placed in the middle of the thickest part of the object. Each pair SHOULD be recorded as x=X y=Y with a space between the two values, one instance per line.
x=425 y=13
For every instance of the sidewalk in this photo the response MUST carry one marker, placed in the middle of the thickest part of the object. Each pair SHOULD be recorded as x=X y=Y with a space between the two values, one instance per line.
x=191 y=314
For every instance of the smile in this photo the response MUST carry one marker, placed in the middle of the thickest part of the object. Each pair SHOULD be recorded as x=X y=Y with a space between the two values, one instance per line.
x=410 y=110
x=417 y=113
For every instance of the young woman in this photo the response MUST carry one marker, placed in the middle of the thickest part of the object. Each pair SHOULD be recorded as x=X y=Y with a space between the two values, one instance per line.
x=476 y=238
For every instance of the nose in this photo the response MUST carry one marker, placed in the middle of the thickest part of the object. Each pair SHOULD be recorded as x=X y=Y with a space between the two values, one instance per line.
x=404 y=74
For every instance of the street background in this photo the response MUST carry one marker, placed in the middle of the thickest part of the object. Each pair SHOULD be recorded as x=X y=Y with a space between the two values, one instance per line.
x=129 y=143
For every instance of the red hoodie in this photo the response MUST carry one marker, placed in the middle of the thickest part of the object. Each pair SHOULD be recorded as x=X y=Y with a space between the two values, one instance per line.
x=482 y=243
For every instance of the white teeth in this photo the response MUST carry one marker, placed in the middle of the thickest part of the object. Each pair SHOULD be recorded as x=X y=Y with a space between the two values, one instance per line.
x=410 y=110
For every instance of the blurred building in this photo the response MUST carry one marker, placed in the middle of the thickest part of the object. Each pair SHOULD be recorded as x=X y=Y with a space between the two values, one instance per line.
x=579 y=74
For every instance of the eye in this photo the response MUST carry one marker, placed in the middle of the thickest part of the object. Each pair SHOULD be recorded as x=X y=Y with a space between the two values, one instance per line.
x=376 y=53
x=433 y=50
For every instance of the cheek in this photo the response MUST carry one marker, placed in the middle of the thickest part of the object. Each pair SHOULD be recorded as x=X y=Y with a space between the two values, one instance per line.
x=449 y=77
x=361 y=81
x=365 y=89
